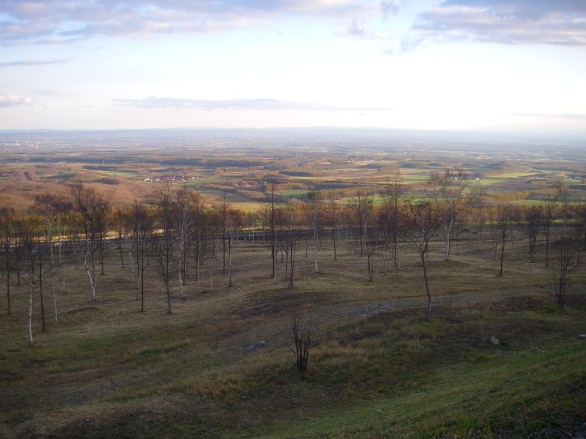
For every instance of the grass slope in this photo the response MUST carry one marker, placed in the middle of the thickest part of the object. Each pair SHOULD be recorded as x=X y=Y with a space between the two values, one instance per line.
x=221 y=365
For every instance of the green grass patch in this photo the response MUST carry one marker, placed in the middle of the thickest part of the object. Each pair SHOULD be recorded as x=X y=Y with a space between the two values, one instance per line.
x=293 y=193
x=59 y=175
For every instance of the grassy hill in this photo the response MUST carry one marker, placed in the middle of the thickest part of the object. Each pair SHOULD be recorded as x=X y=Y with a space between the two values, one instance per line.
x=222 y=364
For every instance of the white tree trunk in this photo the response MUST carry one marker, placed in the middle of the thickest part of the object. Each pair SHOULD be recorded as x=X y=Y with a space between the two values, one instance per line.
x=89 y=271
x=315 y=252
x=30 y=309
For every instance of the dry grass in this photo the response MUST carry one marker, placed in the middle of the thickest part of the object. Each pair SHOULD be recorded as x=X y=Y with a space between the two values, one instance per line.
x=221 y=364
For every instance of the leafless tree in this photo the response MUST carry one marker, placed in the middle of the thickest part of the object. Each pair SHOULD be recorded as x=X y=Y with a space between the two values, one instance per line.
x=532 y=217
x=333 y=218
x=302 y=341
x=91 y=211
x=51 y=208
x=563 y=198
x=476 y=202
x=234 y=224
x=28 y=228
x=162 y=202
x=424 y=219
x=289 y=238
x=141 y=225
x=7 y=230
x=224 y=210
x=361 y=212
x=564 y=264
x=268 y=218
x=451 y=199
x=314 y=219
x=184 y=212
x=393 y=197
x=549 y=213
x=506 y=215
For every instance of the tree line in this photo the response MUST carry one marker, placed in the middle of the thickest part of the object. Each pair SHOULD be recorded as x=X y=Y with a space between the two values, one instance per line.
x=173 y=231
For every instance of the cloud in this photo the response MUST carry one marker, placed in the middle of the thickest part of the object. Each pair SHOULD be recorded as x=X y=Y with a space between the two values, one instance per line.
x=8 y=101
x=235 y=104
x=34 y=62
x=62 y=21
x=358 y=28
x=389 y=7
x=567 y=116
x=560 y=22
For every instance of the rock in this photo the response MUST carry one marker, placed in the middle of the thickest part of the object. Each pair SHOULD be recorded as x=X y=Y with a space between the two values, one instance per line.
x=582 y=336
x=257 y=345
x=494 y=340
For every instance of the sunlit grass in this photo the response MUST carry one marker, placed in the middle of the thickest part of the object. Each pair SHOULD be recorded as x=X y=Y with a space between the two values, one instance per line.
x=221 y=365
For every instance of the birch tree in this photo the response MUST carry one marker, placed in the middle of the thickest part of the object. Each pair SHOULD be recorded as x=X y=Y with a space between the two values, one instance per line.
x=393 y=196
x=424 y=220
x=506 y=215
x=564 y=264
x=162 y=203
x=184 y=217
x=91 y=211
x=141 y=225
x=268 y=218
x=314 y=218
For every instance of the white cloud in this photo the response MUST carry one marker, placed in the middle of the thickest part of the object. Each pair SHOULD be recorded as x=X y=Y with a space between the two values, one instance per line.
x=34 y=62
x=560 y=22
x=7 y=101
x=236 y=104
x=360 y=29
x=60 y=21
x=567 y=116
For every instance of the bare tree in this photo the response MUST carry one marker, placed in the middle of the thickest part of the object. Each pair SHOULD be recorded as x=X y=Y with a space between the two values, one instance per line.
x=532 y=216
x=51 y=208
x=223 y=210
x=29 y=230
x=370 y=247
x=451 y=199
x=302 y=341
x=141 y=225
x=314 y=218
x=333 y=217
x=268 y=217
x=564 y=264
x=506 y=215
x=361 y=211
x=234 y=223
x=563 y=198
x=424 y=218
x=162 y=202
x=288 y=220
x=549 y=213
x=184 y=211
x=476 y=202
x=581 y=213
x=7 y=231
x=91 y=213
x=393 y=197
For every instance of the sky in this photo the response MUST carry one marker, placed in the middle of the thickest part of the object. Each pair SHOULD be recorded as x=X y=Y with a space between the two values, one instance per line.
x=502 y=65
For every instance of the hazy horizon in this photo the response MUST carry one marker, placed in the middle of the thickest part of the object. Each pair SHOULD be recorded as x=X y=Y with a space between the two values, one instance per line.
x=330 y=137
